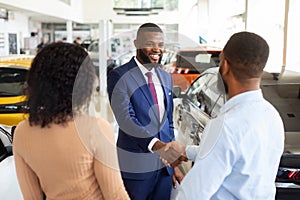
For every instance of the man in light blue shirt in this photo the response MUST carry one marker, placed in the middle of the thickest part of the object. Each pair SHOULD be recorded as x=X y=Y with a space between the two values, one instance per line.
x=240 y=150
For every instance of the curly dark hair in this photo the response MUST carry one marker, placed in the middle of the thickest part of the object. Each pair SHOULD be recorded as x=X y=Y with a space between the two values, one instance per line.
x=56 y=91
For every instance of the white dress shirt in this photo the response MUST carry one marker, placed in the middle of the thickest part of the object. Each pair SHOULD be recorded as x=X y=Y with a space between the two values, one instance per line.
x=239 y=153
x=159 y=93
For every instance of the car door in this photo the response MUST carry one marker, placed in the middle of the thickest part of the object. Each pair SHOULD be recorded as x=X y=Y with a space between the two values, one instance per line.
x=199 y=104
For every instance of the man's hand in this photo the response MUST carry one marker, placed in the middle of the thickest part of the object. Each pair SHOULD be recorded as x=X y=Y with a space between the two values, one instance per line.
x=172 y=154
x=177 y=177
x=175 y=146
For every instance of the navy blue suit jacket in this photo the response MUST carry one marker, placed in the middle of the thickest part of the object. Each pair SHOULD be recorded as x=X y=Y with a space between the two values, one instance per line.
x=134 y=110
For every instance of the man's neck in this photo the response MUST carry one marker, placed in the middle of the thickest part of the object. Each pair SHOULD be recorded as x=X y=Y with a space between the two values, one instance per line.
x=235 y=87
x=149 y=67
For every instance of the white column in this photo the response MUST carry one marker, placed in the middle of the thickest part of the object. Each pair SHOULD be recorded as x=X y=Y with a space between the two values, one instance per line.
x=103 y=48
x=69 y=31
x=285 y=33
x=103 y=51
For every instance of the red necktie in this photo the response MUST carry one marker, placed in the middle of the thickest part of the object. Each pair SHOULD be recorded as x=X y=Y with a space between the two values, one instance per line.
x=152 y=89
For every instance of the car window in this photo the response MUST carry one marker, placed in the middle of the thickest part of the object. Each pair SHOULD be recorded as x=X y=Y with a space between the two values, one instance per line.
x=204 y=94
x=196 y=91
x=196 y=88
x=93 y=47
x=12 y=81
x=215 y=98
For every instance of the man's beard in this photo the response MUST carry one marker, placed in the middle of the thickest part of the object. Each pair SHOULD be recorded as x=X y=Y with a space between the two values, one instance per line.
x=222 y=86
x=146 y=60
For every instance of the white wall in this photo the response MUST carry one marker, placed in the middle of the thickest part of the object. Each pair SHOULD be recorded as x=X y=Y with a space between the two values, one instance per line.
x=18 y=24
x=193 y=21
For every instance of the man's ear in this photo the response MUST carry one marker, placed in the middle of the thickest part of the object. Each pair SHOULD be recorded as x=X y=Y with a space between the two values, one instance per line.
x=225 y=67
x=136 y=44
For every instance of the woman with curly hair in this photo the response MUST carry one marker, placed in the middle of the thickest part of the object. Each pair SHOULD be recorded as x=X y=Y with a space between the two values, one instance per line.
x=60 y=151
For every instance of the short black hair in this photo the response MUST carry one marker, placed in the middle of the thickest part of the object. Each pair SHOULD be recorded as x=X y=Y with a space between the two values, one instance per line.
x=247 y=54
x=149 y=27
x=51 y=90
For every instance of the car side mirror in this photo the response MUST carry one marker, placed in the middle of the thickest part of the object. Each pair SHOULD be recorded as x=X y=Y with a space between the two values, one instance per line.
x=176 y=91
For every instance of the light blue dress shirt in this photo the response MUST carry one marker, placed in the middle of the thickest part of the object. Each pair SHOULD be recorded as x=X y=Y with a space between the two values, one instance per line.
x=239 y=153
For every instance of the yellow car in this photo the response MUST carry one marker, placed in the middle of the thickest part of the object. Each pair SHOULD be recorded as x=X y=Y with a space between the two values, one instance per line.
x=13 y=71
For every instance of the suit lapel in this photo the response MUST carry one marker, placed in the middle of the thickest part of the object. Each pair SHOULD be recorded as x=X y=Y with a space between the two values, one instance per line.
x=139 y=78
x=164 y=85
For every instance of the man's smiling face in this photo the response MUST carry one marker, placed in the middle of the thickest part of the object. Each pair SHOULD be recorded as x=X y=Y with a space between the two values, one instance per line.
x=150 y=47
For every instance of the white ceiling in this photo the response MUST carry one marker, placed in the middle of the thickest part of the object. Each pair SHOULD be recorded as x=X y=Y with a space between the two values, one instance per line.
x=33 y=15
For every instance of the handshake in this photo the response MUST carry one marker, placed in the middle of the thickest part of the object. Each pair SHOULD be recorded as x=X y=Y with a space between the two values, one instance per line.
x=172 y=154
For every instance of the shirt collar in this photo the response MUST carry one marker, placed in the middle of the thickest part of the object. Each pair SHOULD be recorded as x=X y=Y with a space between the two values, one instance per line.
x=250 y=96
x=142 y=68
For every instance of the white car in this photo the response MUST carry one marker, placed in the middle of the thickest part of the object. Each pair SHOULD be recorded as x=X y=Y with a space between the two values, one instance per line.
x=9 y=189
x=203 y=100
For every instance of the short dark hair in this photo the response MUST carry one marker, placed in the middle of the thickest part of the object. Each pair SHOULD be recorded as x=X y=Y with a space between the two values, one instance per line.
x=247 y=54
x=148 y=27
x=52 y=95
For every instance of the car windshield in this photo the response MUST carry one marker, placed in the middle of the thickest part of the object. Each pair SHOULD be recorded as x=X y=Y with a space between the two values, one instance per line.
x=12 y=81
x=93 y=47
x=204 y=93
x=197 y=61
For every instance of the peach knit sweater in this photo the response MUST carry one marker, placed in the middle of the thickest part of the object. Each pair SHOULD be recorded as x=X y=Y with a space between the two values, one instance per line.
x=77 y=160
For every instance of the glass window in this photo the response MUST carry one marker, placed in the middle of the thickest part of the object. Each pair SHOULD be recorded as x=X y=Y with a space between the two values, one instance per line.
x=197 y=92
x=215 y=99
x=269 y=23
x=12 y=81
x=293 y=39
x=93 y=47
x=167 y=5
x=204 y=94
x=197 y=86
x=66 y=1
x=126 y=3
x=221 y=25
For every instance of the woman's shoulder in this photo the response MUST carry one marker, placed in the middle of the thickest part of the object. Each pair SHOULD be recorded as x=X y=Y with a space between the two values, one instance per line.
x=92 y=125
x=21 y=128
x=22 y=125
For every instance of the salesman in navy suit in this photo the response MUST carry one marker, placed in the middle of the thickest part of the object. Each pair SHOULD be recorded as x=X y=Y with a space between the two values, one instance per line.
x=142 y=103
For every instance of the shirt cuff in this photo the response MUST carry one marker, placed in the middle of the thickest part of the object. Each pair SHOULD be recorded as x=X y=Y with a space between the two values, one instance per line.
x=150 y=145
x=191 y=152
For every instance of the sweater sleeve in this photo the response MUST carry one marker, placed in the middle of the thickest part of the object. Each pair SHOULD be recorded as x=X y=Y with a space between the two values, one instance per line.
x=110 y=182
x=106 y=165
x=28 y=181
